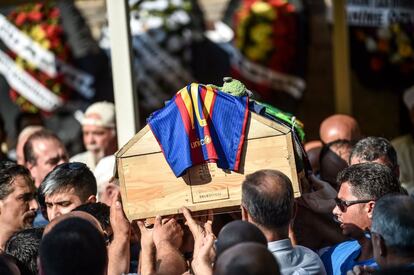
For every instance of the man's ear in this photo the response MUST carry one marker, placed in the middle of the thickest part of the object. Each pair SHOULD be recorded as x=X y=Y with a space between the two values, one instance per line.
x=92 y=198
x=29 y=165
x=369 y=208
x=245 y=215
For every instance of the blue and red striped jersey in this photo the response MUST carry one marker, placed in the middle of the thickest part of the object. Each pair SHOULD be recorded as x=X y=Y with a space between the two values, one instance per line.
x=201 y=124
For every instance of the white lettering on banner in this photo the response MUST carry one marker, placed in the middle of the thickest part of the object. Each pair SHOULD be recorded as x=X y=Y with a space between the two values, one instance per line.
x=21 y=44
x=377 y=13
x=290 y=84
x=27 y=86
x=377 y=17
x=44 y=59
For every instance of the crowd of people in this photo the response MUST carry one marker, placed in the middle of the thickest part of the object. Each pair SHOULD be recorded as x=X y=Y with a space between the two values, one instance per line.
x=62 y=215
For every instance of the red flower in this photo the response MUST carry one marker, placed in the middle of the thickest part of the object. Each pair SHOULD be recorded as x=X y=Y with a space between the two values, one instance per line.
x=21 y=18
x=35 y=16
x=54 y=13
x=376 y=64
x=53 y=31
x=38 y=6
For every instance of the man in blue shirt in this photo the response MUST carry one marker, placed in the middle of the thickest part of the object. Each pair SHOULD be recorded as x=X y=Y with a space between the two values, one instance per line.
x=360 y=186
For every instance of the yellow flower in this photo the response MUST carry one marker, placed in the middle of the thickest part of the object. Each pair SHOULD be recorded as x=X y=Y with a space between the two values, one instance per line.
x=405 y=50
x=56 y=88
x=254 y=53
x=259 y=32
x=20 y=62
x=264 y=9
x=45 y=44
x=37 y=33
x=395 y=28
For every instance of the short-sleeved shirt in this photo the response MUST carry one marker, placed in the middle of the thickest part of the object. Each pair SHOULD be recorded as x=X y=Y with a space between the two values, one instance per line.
x=343 y=257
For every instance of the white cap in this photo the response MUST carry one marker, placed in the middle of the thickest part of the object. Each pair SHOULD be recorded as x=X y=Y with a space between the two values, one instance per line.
x=100 y=114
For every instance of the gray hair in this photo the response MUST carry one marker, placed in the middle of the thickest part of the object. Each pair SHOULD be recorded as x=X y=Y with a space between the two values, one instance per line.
x=65 y=176
x=393 y=219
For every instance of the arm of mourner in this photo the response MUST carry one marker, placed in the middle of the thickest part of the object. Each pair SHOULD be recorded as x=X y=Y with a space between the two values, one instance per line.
x=147 y=259
x=203 y=243
x=118 y=250
x=167 y=236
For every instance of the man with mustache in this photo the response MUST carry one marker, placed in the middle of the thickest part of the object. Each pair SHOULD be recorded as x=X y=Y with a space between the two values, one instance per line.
x=99 y=134
x=18 y=204
x=361 y=185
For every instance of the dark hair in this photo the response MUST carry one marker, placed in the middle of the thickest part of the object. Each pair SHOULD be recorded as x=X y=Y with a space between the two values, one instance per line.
x=99 y=210
x=330 y=162
x=73 y=246
x=248 y=259
x=340 y=143
x=7 y=264
x=237 y=232
x=370 y=180
x=270 y=208
x=8 y=172
x=24 y=246
x=28 y=151
x=70 y=175
x=373 y=148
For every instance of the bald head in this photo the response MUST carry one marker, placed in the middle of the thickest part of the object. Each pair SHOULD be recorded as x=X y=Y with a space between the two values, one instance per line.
x=339 y=127
x=267 y=197
x=246 y=258
x=21 y=140
x=74 y=214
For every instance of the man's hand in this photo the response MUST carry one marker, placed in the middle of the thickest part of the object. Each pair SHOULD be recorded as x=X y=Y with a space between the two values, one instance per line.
x=361 y=270
x=146 y=234
x=204 y=253
x=202 y=261
x=167 y=230
x=118 y=250
x=119 y=223
x=147 y=260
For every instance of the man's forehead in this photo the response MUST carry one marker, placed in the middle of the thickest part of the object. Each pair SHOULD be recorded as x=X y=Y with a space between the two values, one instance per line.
x=90 y=128
x=62 y=194
x=21 y=181
x=46 y=144
x=345 y=191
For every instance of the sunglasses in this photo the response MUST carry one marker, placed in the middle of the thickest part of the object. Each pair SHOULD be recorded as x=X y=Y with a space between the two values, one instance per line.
x=343 y=205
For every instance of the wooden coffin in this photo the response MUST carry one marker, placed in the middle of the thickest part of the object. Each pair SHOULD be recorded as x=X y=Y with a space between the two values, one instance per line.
x=150 y=188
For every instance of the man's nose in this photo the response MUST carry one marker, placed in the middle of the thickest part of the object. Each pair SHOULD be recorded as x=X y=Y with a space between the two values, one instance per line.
x=54 y=213
x=33 y=205
x=336 y=211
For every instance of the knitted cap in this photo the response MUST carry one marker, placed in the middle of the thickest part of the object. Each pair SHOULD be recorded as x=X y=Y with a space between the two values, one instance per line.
x=100 y=114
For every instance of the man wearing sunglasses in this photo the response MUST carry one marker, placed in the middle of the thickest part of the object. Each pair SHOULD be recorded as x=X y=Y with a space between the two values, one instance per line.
x=66 y=187
x=361 y=185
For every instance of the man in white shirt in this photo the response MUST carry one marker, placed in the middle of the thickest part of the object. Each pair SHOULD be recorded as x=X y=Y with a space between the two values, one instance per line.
x=268 y=203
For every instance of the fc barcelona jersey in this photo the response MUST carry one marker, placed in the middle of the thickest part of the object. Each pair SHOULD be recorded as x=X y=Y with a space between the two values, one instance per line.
x=201 y=124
